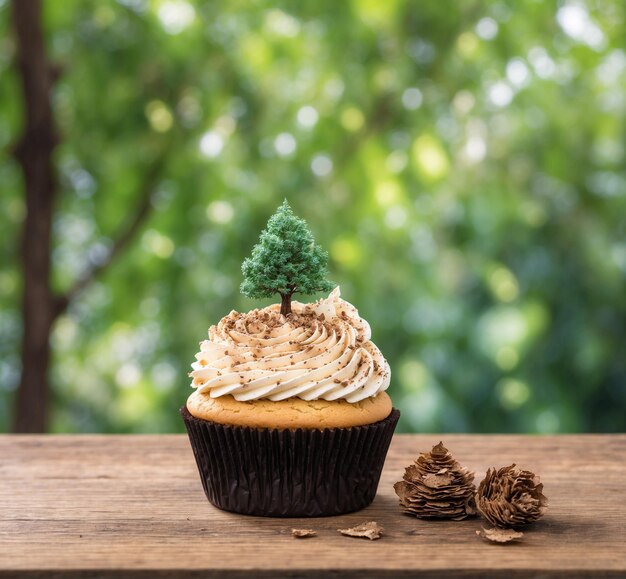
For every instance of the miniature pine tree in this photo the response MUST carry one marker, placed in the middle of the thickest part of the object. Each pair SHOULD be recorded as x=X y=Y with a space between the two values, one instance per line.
x=285 y=261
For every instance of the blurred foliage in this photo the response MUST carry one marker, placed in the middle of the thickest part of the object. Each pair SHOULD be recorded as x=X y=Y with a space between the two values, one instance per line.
x=462 y=162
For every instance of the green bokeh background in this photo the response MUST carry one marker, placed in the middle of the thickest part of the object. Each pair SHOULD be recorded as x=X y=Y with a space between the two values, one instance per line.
x=463 y=163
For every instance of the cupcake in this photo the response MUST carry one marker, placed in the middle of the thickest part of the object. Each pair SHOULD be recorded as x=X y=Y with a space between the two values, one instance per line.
x=290 y=415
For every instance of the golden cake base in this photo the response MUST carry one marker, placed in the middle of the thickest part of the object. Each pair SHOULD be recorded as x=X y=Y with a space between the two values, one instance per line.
x=291 y=413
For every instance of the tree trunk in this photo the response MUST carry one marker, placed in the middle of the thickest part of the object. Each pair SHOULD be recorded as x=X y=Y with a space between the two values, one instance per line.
x=40 y=305
x=34 y=154
x=285 y=304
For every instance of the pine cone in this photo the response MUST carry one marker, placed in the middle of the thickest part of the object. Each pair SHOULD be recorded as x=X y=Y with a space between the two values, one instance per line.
x=437 y=487
x=510 y=497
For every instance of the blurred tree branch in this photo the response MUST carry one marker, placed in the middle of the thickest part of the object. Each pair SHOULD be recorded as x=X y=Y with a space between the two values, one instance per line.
x=125 y=233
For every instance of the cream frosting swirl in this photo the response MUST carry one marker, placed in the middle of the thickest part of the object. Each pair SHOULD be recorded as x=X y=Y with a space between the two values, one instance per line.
x=320 y=351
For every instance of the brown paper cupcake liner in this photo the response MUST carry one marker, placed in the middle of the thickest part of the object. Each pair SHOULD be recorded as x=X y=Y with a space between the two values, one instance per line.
x=289 y=473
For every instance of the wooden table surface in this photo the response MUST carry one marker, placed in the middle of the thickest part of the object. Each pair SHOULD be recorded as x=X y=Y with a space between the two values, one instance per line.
x=128 y=506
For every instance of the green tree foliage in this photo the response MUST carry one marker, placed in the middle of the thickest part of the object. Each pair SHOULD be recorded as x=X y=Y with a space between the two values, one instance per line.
x=285 y=261
x=462 y=162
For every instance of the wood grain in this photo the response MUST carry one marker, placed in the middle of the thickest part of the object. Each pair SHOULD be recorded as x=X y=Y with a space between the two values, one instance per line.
x=132 y=506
